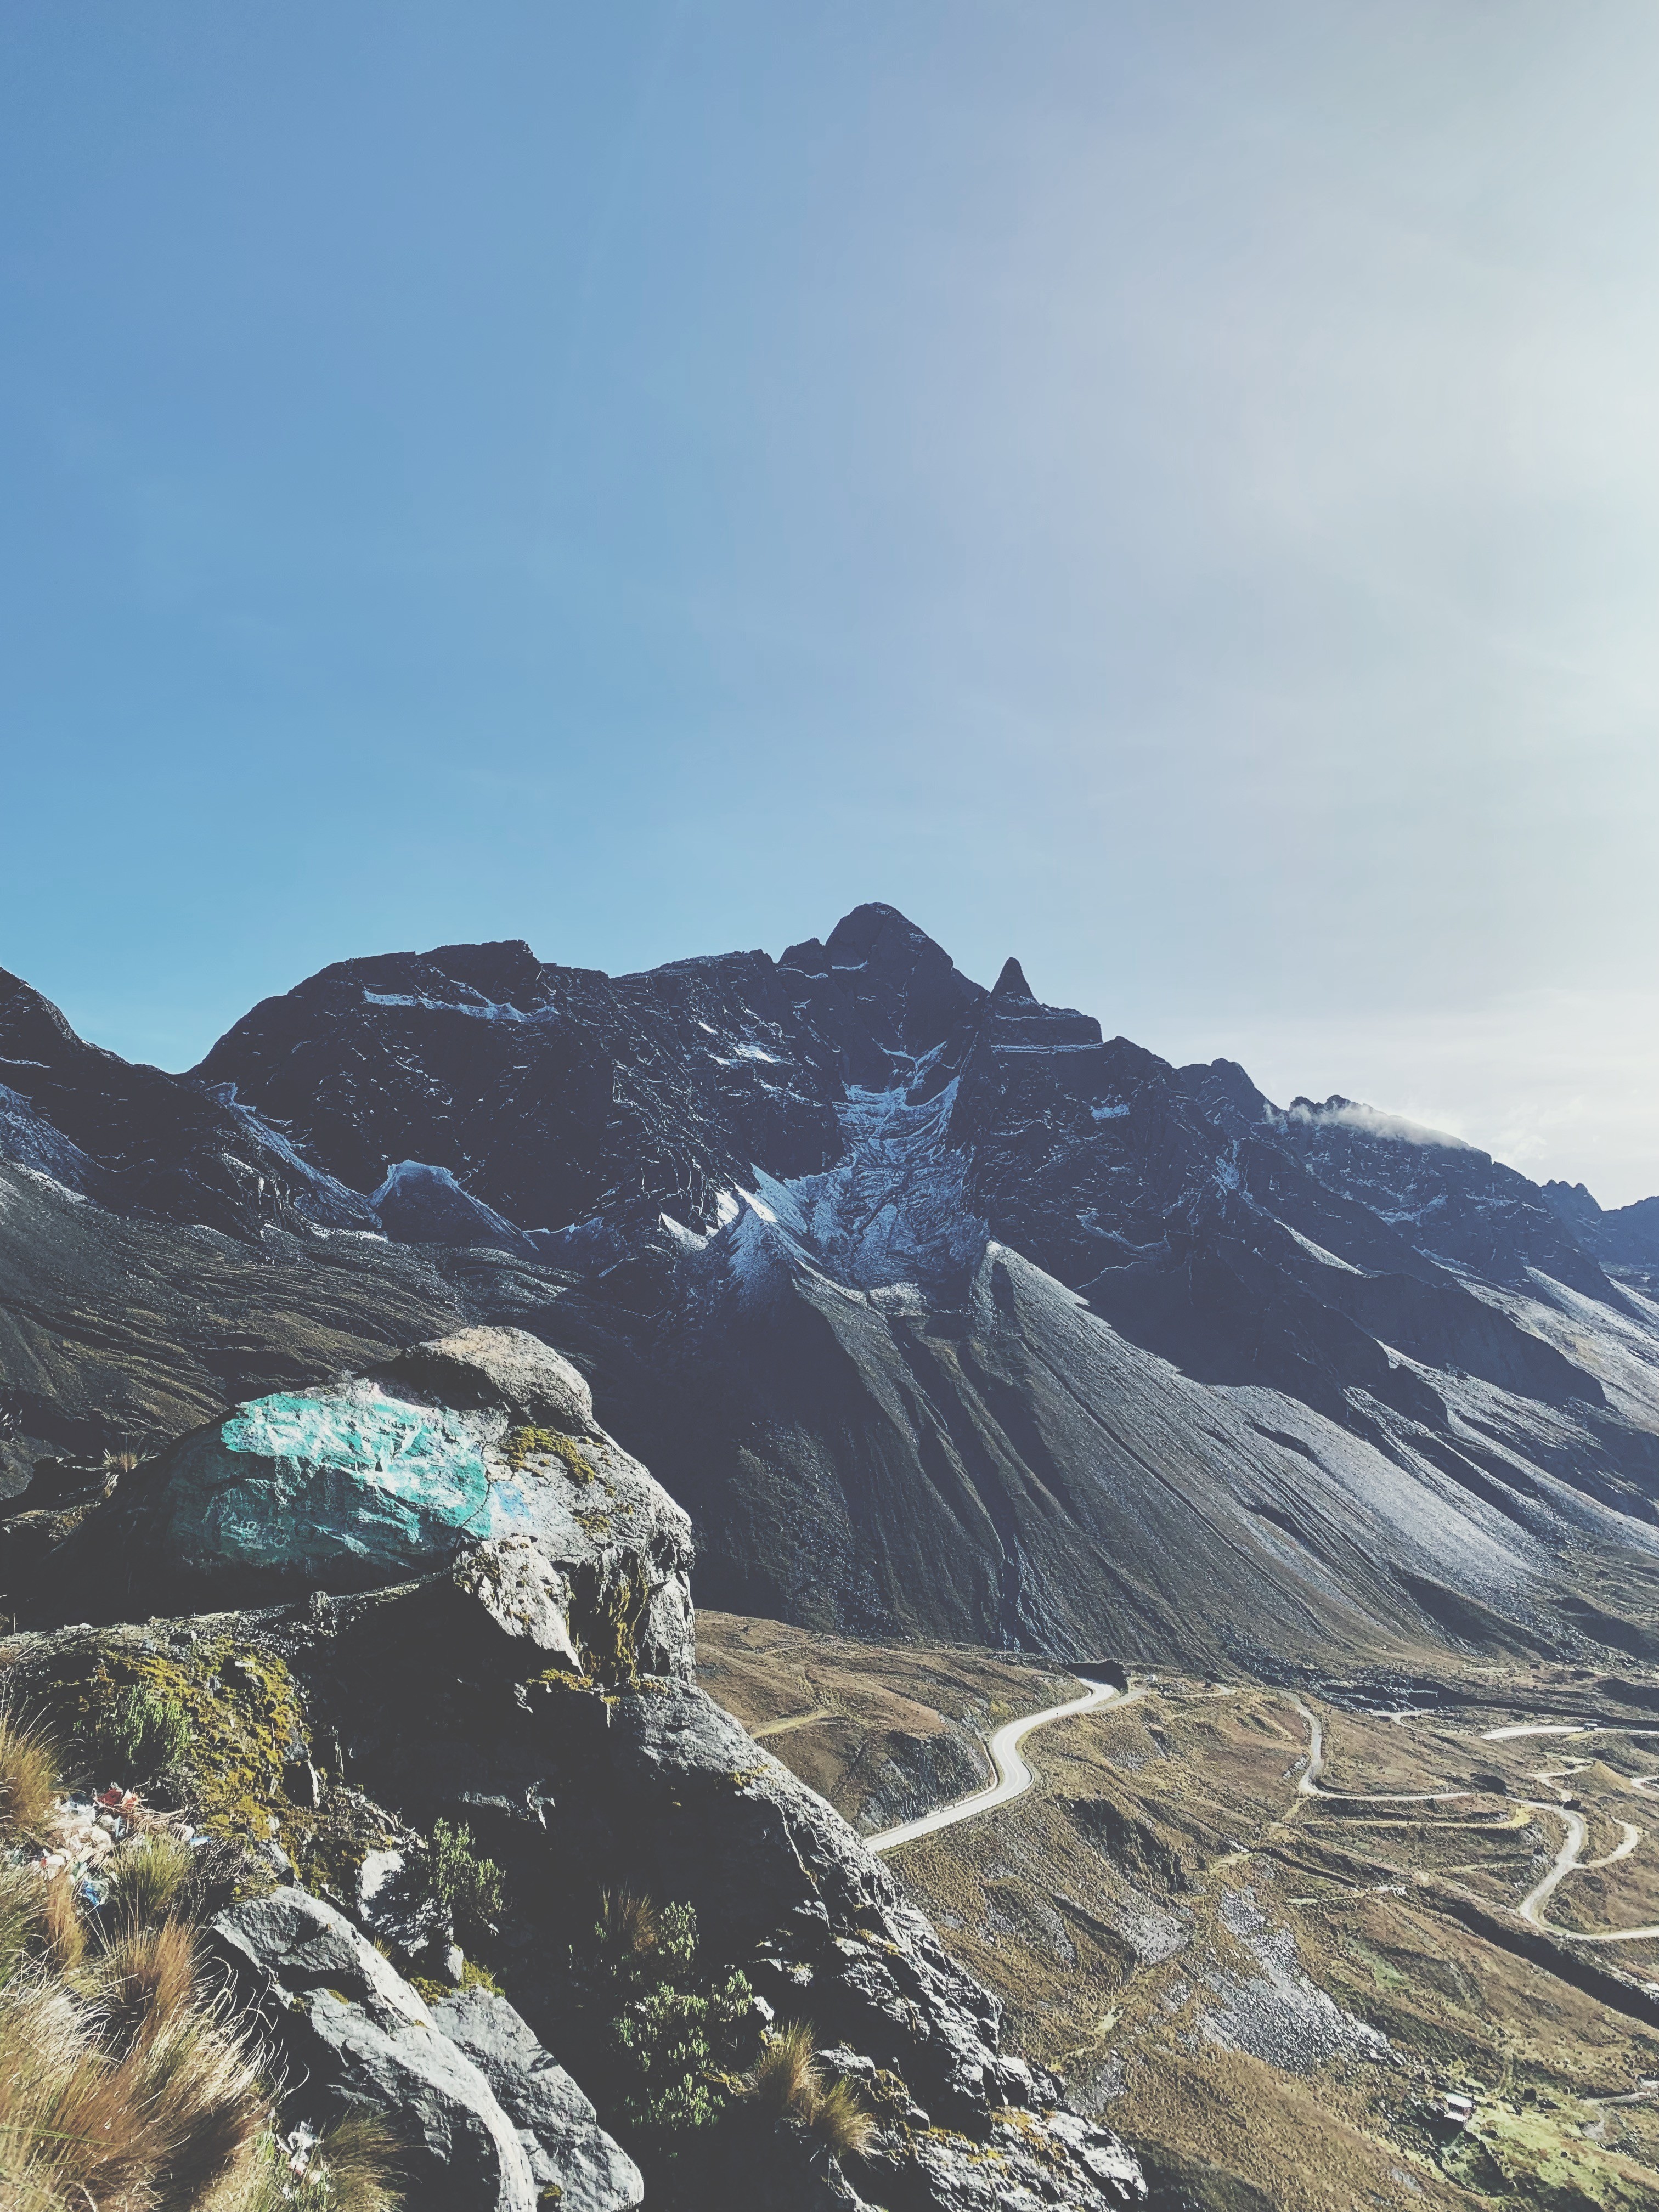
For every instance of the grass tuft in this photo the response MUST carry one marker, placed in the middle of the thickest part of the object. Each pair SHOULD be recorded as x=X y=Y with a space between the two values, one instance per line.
x=144 y=1977
x=628 y=1922
x=146 y=1878
x=62 y=1935
x=353 y=2167
x=786 y=2081
x=28 y=1778
x=785 y=2077
x=842 y=2121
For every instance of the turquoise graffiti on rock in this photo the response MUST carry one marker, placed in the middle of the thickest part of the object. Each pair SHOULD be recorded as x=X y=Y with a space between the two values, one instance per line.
x=306 y=1484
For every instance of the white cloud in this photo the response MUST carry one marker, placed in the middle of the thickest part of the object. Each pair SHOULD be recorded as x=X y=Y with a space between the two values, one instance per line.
x=1352 y=1114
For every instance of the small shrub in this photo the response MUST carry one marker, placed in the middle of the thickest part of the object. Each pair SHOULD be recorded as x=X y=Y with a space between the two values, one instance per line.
x=141 y=1734
x=665 y=2047
x=468 y=1887
x=28 y=1778
x=145 y=1879
x=677 y=1939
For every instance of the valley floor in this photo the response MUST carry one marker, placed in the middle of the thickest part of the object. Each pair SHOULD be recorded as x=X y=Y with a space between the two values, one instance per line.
x=1265 y=1931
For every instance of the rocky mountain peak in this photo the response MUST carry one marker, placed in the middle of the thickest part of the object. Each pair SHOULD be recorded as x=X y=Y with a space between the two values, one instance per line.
x=904 y=987
x=1011 y=984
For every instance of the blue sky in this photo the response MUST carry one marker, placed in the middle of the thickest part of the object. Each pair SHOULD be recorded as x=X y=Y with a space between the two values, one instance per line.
x=1171 y=490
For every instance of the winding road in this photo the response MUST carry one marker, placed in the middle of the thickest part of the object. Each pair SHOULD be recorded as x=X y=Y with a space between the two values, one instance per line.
x=1309 y=1784
x=1571 y=1856
x=1569 y=1859
x=1013 y=1777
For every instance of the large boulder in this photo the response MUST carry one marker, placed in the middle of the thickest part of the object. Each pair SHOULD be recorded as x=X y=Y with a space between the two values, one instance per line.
x=355 y=2035
x=475 y=1455
x=567 y=2148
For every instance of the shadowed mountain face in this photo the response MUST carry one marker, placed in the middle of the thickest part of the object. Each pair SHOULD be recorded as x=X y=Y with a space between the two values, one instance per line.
x=939 y=1311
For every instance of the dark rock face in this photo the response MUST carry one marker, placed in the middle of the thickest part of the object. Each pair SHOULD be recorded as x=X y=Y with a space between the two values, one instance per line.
x=936 y=1308
x=1624 y=1238
x=161 y=1147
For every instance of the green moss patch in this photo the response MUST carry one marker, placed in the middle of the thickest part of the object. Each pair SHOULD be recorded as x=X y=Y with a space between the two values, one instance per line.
x=522 y=1445
x=243 y=1730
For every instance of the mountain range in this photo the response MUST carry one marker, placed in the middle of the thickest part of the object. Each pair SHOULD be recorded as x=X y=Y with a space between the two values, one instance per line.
x=940 y=1311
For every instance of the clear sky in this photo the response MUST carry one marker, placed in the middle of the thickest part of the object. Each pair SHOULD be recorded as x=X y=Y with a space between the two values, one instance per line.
x=1170 y=489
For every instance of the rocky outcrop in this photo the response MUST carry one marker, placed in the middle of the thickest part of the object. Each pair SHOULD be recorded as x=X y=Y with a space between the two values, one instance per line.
x=566 y=2146
x=477 y=1454
x=486 y=2121
x=534 y=1689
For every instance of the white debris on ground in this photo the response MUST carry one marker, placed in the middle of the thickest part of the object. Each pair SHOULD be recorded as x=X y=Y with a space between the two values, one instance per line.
x=82 y=1836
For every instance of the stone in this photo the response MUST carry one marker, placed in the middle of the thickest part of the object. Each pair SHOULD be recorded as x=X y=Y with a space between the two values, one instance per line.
x=303 y=1783
x=355 y=2032
x=558 y=2126
x=396 y=1905
x=556 y=1537
x=535 y=1386
x=525 y=1594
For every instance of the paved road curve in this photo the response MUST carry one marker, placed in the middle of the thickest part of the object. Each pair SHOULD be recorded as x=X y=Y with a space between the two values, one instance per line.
x=1013 y=1776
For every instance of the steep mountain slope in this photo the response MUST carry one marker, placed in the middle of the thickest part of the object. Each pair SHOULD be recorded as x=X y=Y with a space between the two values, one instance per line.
x=940 y=1310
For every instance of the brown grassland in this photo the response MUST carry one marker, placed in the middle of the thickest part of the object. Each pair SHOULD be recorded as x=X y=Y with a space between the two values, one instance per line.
x=1266 y=1990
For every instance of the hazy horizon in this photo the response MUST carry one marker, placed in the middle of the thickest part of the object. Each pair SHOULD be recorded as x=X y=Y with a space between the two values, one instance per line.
x=1170 y=491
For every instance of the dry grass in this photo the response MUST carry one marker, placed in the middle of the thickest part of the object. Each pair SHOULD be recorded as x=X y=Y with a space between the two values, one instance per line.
x=628 y=1922
x=785 y=2077
x=840 y=2120
x=353 y=2168
x=161 y=2123
x=28 y=1778
x=787 y=2082
x=124 y=2086
x=61 y=1933
x=145 y=1977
